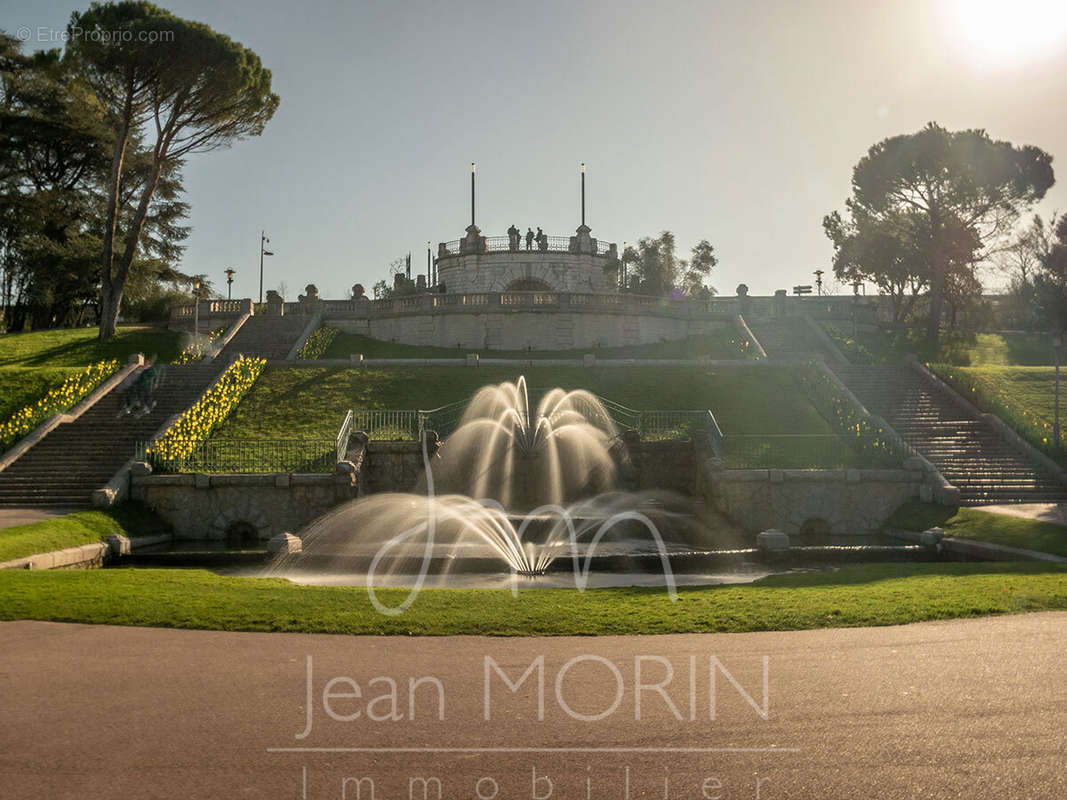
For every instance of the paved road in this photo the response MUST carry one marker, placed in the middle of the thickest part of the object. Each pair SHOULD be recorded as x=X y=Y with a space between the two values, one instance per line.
x=10 y=517
x=1045 y=512
x=974 y=709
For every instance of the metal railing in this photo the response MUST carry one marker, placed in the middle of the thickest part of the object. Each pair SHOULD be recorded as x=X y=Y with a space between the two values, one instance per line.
x=502 y=244
x=386 y=424
x=806 y=451
x=662 y=425
x=344 y=435
x=243 y=456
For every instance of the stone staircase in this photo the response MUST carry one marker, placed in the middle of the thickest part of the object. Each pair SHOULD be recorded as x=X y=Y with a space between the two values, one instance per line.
x=969 y=452
x=76 y=458
x=269 y=337
x=787 y=338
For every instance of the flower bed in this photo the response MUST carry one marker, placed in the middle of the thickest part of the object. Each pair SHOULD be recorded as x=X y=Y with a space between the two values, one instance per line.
x=837 y=408
x=993 y=390
x=855 y=352
x=58 y=400
x=195 y=425
x=317 y=343
x=197 y=350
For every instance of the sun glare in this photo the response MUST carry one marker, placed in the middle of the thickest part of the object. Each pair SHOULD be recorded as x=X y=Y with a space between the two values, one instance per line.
x=1010 y=29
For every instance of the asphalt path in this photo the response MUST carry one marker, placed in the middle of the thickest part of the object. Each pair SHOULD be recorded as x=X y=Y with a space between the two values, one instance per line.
x=955 y=709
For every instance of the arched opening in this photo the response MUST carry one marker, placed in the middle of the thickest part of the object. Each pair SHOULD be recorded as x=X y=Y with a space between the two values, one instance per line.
x=241 y=535
x=528 y=285
x=815 y=529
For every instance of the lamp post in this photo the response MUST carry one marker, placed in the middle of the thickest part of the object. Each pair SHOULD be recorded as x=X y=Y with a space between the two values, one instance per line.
x=229 y=282
x=196 y=314
x=1057 y=343
x=818 y=281
x=856 y=286
x=583 y=194
x=263 y=251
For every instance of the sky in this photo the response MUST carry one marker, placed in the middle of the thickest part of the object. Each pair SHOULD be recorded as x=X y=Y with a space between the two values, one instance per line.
x=738 y=122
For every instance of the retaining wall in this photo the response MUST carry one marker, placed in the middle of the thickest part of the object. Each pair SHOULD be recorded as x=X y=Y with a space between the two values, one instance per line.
x=851 y=501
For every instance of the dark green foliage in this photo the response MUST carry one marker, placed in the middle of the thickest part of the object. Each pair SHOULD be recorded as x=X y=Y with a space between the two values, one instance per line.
x=924 y=208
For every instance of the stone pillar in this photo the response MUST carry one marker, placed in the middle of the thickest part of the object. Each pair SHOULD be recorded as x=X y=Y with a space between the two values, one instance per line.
x=275 y=304
x=582 y=242
x=780 y=299
x=473 y=242
x=309 y=301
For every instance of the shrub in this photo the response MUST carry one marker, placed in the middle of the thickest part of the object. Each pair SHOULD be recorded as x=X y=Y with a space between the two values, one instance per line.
x=58 y=400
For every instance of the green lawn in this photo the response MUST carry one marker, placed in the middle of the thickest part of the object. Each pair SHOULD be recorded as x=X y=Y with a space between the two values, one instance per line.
x=82 y=527
x=884 y=346
x=24 y=386
x=885 y=594
x=1024 y=397
x=79 y=346
x=725 y=343
x=972 y=523
x=295 y=402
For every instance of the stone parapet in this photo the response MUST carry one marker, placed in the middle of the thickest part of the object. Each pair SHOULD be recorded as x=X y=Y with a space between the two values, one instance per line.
x=847 y=501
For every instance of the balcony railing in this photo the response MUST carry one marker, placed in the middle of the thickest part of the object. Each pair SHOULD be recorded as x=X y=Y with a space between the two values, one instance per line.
x=502 y=244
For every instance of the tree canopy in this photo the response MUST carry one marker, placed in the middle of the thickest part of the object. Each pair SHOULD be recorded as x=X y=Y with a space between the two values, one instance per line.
x=652 y=267
x=189 y=88
x=926 y=207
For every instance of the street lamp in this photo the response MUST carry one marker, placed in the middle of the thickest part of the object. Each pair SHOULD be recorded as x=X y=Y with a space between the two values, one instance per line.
x=196 y=314
x=818 y=281
x=472 y=194
x=1057 y=343
x=229 y=282
x=263 y=251
x=856 y=286
x=583 y=194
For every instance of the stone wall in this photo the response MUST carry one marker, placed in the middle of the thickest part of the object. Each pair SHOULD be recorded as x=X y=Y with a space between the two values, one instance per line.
x=848 y=501
x=206 y=506
x=392 y=466
x=550 y=329
x=498 y=272
x=662 y=465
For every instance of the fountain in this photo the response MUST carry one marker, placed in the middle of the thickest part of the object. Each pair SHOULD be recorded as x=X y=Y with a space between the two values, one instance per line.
x=509 y=492
x=501 y=452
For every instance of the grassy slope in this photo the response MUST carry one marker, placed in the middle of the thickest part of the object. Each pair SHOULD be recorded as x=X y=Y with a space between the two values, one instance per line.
x=860 y=595
x=79 y=346
x=1029 y=389
x=293 y=402
x=1024 y=397
x=23 y=386
x=724 y=343
x=83 y=527
x=971 y=523
x=981 y=349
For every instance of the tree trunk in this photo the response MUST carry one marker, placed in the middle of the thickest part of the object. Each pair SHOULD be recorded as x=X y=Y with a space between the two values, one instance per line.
x=110 y=302
x=937 y=301
x=109 y=306
x=111 y=291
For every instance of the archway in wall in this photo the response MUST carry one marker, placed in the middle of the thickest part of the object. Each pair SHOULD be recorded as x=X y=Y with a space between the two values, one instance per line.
x=816 y=528
x=242 y=534
x=528 y=285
